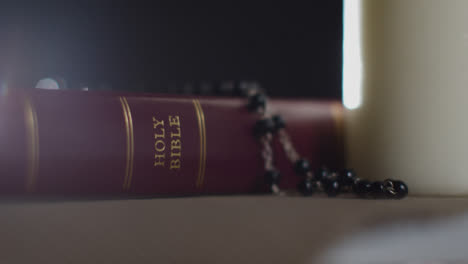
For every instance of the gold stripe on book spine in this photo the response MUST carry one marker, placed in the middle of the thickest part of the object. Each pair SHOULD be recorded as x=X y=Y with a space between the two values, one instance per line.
x=204 y=144
x=32 y=144
x=202 y=133
x=130 y=148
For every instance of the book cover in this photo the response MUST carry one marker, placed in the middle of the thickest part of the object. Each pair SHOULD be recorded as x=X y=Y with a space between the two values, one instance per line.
x=88 y=144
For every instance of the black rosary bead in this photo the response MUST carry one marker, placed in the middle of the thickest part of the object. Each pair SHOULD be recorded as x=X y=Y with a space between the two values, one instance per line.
x=279 y=122
x=362 y=188
x=347 y=177
x=256 y=102
x=321 y=174
x=302 y=167
x=263 y=126
x=272 y=177
x=378 y=189
x=401 y=189
x=332 y=187
x=240 y=89
x=306 y=187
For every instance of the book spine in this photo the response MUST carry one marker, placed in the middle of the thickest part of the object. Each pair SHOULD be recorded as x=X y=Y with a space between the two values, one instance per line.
x=80 y=144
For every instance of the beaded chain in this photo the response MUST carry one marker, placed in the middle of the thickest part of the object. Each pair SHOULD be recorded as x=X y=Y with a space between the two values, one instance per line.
x=321 y=180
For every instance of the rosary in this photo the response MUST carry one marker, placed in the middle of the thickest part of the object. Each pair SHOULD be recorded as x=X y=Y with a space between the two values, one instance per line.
x=322 y=180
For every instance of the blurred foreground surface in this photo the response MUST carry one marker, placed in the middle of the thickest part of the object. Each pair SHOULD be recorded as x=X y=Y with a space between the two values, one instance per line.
x=234 y=229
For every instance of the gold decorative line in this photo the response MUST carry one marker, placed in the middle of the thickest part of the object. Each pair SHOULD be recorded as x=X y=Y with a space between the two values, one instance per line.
x=202 y=133
x=32 y=141
x=130 y=143
x=132 y=138
x=127 y=140
x=204 y=143
x=197 y=111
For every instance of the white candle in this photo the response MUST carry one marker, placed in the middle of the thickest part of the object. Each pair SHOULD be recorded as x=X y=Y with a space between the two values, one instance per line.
x=405 y=83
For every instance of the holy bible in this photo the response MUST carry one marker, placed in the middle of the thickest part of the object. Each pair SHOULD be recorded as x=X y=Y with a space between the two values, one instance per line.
x=109 y=144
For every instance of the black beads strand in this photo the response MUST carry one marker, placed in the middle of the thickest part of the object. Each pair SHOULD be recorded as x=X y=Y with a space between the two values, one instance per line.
x=240 y=88
x=347 y=177
x=257 y=102
x=272 y=177
x=321 y=174
x=267 y=127
x=332 y=187
x=332 y=183
x=401 y=189
x=279 y=122
x=306 y=187
x=362 y=188
x=377 y=189
x=302 y=167
x=395 y=189
x=263 y=126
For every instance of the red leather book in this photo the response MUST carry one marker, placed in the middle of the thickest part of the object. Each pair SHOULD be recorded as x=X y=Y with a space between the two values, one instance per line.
x=88 y=144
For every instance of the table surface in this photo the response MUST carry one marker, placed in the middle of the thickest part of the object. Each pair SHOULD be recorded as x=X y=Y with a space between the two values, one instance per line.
x=226 y=229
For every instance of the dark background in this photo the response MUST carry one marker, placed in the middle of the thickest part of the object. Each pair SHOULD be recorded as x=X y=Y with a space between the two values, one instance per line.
x=292 y=49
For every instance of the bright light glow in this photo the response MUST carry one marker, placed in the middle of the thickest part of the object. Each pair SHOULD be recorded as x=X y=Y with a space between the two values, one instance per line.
x=352 y=57
x=48 y=84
